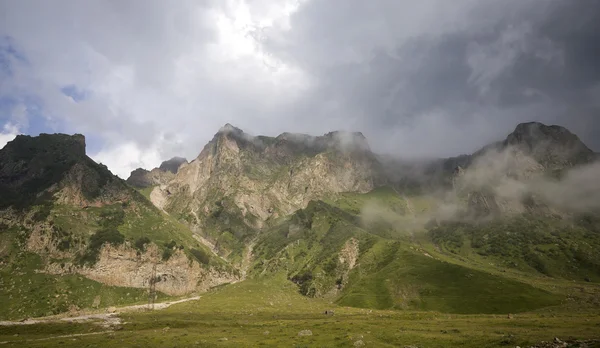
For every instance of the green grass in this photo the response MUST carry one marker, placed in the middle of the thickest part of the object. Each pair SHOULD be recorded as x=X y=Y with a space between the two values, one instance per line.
x=146 y=191
x=27 y=292
x=390 y=276
x=268 y=312
x=549 y=246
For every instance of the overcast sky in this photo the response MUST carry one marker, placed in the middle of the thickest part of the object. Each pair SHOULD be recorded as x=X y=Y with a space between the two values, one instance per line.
x=147 y=80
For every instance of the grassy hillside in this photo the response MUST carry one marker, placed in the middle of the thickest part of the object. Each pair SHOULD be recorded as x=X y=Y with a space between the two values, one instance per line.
x=25 y=291
x=389 y=273
x=552 y=247
x=76 y=234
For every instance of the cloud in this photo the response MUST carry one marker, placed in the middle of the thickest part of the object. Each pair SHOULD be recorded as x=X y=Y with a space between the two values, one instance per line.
x=8 y=133
x=122 y=158
x=433 y=78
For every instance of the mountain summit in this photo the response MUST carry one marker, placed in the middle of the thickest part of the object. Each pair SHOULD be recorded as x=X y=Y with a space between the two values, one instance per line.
x=555 y=147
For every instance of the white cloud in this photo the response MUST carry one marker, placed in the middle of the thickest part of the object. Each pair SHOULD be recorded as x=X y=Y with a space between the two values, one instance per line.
x=149 y=68
x=123 y=158
x=8 y=133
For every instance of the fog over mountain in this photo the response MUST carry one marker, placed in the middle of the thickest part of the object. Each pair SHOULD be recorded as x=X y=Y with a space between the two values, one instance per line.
x=147 y=81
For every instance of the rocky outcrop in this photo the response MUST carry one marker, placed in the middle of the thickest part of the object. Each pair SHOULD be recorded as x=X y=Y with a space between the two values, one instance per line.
x=125 y=266
x=349 y=254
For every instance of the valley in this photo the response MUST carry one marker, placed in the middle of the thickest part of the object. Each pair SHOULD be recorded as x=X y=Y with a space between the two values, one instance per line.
x=497 y=248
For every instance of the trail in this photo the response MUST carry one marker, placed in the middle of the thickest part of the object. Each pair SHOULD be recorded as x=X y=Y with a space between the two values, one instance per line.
x=108 y=319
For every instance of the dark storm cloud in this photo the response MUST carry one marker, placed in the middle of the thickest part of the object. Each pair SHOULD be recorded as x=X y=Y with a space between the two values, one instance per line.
x=480 y=70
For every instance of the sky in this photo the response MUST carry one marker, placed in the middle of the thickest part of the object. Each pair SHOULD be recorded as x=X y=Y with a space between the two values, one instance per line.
x=147 y=80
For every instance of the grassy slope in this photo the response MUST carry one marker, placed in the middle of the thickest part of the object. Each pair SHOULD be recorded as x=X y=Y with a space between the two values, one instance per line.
x=393 y=276
x=269 y=312
x=390 y=274
x=27 y=292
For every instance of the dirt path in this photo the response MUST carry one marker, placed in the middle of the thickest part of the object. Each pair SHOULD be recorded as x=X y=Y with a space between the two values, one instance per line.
x=106 y=319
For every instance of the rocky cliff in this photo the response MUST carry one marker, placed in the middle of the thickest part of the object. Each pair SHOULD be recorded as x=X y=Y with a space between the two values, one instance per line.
x=240 y=182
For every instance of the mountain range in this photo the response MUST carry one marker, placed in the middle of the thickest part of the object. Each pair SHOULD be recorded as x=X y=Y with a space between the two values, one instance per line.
x=490 y=232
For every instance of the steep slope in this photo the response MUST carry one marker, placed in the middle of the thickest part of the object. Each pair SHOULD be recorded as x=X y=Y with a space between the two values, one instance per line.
x=329 y=252
x=240 y=183
x=63 y=216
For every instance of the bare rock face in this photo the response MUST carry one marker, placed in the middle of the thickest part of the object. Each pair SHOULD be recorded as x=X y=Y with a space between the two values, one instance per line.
x=266 y=177
x=123 y=266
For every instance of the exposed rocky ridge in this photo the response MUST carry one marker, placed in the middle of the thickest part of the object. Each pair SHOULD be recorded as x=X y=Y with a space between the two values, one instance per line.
x=257 y=179
x=142 y=178
x=34 y=169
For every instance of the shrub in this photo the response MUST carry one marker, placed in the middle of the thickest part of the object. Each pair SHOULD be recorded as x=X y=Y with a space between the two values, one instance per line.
x=112 y=217
x=167 y=253
x=201 y=255
x=140 y=244
x=97 y=240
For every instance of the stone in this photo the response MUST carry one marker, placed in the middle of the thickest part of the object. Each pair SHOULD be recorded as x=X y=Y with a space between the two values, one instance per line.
x=305 y=333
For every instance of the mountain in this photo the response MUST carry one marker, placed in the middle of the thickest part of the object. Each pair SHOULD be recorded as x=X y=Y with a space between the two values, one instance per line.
x=496 y=231
x=68 y=224
x=240 y=183
x=445 y=231
x=142 y=178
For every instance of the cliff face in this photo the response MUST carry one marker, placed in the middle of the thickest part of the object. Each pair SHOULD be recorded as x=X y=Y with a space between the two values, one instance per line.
x=252 y=180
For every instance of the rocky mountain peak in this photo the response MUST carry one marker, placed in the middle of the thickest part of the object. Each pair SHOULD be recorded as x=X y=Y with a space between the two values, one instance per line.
x=229 y=129
x=52 y=165
x=142 y=178
x=552 y=146
x=26 y=145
